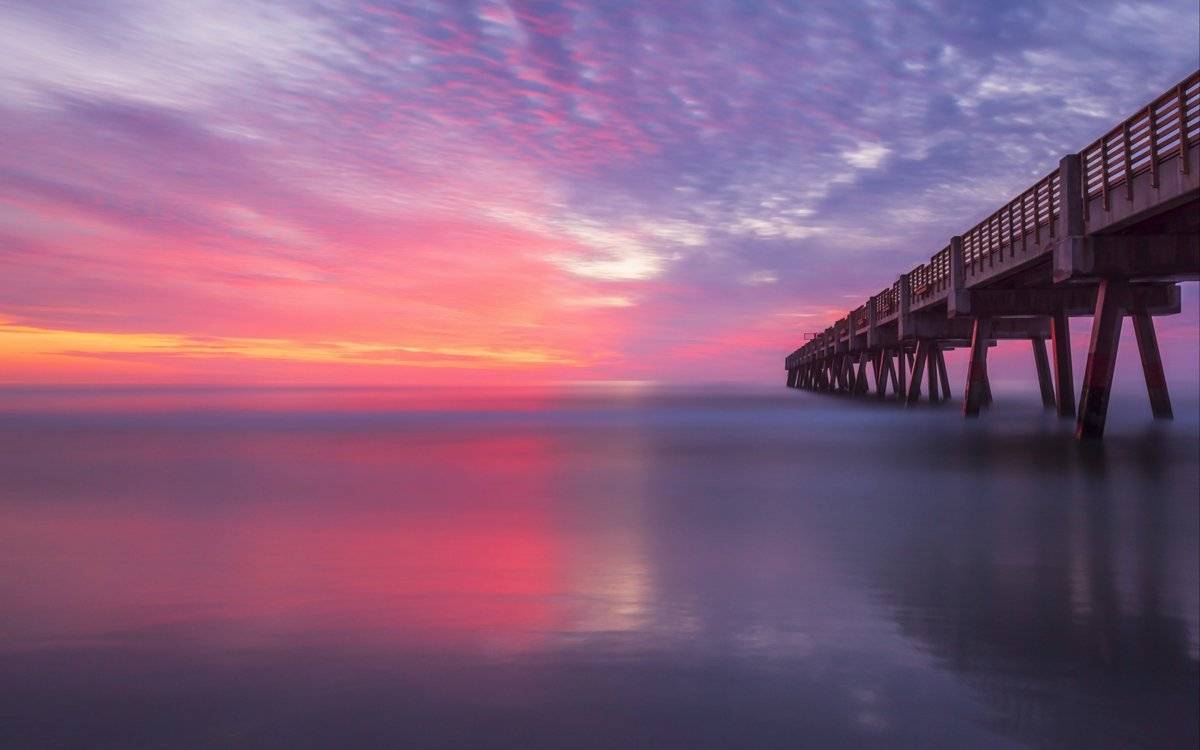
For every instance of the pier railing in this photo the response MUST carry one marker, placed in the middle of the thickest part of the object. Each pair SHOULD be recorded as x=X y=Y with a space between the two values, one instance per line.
x=930 y=280
x=1164 y=128
x=1030 y=217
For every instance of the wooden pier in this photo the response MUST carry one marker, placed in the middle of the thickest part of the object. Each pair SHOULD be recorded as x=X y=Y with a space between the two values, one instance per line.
x=1108 y=234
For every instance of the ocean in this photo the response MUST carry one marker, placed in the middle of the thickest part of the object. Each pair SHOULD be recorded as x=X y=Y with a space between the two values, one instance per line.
x=591 y=567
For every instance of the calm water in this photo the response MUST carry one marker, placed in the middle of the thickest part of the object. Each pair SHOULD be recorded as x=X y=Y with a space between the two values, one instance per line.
x=590 y=569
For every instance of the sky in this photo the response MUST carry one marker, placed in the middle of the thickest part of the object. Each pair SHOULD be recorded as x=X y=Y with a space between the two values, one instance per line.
x=494 y=192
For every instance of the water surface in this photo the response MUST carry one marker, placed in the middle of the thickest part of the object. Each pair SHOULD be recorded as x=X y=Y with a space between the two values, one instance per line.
x=590 y=569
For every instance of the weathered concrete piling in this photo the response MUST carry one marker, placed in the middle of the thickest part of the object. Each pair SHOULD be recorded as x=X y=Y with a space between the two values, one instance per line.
x=1108 y=234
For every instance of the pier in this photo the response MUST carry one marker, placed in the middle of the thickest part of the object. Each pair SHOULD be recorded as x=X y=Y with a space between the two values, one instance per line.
x=1108 y=234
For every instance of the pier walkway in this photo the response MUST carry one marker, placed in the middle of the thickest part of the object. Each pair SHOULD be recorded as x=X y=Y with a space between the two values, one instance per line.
x=1108 y=234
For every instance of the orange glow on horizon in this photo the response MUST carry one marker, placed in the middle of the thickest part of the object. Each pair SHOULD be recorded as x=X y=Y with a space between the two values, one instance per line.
x=29 y=342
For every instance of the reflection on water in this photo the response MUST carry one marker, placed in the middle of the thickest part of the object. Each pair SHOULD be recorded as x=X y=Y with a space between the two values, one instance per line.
x=428 y=569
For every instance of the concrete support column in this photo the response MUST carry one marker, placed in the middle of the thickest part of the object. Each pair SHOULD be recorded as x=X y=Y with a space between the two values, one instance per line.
x=1102 y=359
x=1064 y=380
x=872 y=319
x=1042 y=362
x=932 y=373
x=918 y=370
x=977 y=385
x=897 y=386
x=879 y=372
x=958 y=301
x=1069 y=243
x=1152 y=366
x=1070 y=196
x=942 y=375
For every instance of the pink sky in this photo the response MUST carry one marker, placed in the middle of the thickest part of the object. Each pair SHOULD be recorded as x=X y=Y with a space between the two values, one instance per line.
x=512 y=192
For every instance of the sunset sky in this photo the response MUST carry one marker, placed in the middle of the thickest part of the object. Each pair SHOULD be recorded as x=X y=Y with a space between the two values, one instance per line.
x=314 y=191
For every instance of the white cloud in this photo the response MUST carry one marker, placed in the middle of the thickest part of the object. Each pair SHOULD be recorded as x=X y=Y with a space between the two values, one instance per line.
x=773 y=228
x=867 y=155
x=758 y=278
x=676 y=232
x=614 y=264
x=599 y=301
x=609 y=255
